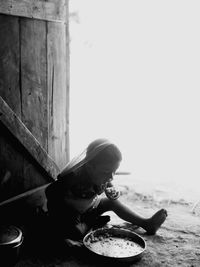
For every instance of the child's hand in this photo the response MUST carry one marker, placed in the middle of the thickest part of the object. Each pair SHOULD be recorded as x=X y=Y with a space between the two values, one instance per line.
x=112 y=193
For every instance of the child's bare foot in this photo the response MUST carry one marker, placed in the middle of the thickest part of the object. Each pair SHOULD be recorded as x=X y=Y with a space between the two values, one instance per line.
x=154 y=223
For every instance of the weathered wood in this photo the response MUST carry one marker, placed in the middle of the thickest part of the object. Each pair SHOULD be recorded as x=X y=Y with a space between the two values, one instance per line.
x=19 y=172
x=34 y=95
x=24 y=195
x=44 y=10
x=34 y=78
x=10 y=62
x=12 y=162
x=25 y=137
x=58 y=88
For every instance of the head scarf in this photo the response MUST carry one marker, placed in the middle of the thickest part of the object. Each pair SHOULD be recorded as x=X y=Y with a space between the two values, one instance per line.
x=93 y=149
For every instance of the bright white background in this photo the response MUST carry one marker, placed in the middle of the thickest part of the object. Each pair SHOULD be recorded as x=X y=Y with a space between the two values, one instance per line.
x=135 y=79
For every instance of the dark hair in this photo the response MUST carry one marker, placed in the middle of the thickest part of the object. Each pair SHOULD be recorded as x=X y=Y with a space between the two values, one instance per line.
x=110 y=153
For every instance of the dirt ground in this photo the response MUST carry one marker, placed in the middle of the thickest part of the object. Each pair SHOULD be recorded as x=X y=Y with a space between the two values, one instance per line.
x=177 y=242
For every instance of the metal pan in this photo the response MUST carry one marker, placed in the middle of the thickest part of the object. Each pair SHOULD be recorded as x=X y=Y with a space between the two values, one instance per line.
x=131 y=248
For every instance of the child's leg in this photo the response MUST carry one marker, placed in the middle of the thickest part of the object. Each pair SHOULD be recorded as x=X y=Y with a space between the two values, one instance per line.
x=151 y=225
x=67 y=223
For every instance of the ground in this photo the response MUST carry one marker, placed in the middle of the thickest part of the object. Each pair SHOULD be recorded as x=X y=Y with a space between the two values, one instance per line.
x=176 y=243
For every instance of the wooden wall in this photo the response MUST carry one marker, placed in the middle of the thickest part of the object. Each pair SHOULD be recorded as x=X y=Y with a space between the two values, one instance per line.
x=34 y=93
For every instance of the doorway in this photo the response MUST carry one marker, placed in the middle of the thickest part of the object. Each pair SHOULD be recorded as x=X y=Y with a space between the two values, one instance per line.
x=135 y=79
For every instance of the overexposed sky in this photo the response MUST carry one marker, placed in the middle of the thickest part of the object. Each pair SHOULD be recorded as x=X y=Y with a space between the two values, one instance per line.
x=135 y=78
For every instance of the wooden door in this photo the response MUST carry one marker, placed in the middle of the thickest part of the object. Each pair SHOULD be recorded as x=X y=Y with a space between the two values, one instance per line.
x=34 y=92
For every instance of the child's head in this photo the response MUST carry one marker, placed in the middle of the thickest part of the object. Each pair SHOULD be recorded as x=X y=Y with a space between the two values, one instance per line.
x=104 y=159
x=103 y=151
x=101 y=158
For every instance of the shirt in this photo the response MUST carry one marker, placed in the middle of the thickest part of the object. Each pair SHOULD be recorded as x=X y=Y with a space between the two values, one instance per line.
x=75 y=190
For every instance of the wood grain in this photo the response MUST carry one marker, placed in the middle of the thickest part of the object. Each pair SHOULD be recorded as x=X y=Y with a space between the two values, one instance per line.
x=10 y=62
x=25 y=137
x=34 y=78
x=44 y=10
x=58 y=89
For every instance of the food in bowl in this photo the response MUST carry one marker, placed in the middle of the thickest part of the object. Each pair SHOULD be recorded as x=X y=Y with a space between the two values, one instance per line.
x=115 y=243
x=112 y=246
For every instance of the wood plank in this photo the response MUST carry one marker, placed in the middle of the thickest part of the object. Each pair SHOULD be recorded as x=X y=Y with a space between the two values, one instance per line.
x=44 y=10
x=19 y=172
x=58 y=89
x=39 y=190
x=10 y=62
x=25 y=137
x=12 y=163
x=34 y=78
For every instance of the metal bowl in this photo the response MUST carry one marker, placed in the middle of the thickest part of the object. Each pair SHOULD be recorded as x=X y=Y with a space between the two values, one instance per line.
x=10 y=235
x=11 y=239
x=124 y=235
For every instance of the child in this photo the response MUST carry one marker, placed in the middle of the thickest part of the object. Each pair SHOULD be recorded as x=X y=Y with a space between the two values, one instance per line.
x=74 y=200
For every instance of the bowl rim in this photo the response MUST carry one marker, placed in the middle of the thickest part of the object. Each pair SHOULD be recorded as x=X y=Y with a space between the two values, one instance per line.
x=16 y=240
x=119 y=230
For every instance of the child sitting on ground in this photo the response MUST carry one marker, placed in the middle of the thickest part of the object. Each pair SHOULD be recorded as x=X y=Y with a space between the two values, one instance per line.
x=75 y=202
